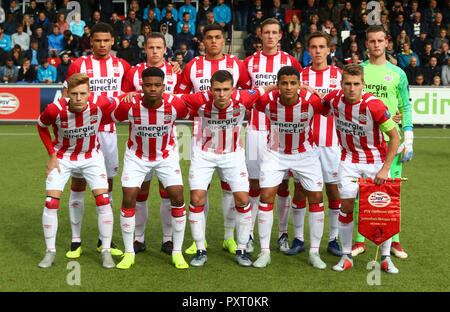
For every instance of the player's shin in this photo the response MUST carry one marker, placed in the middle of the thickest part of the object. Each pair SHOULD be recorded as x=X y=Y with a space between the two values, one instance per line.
x=141 y=215
x=105 y=220
x=197 y=220
x=316 y=220
x=243 y=225
x=386 y=247
x=166 y=216
x=178 y=216
x=346 y=231
x=254 y=202
x=50 y=222
x=298 y=218
x=333 y=214
x=283 y=210
x=127 y=224
x=265 y=223
x=76 y=212
x=229 y=211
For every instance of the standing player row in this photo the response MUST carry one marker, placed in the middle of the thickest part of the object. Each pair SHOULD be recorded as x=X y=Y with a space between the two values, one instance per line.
x=262 y=68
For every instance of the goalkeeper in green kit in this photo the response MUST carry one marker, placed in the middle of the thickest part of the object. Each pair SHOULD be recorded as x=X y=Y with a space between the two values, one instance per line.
x=390 y=84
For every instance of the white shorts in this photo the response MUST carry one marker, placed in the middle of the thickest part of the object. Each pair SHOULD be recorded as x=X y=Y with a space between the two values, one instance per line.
x=230 y=168
x=305 y=168
x=92 y=169
x=330 y=157
x=349 y=171
x=108 y=146
x=136 y=170
x=255 y=147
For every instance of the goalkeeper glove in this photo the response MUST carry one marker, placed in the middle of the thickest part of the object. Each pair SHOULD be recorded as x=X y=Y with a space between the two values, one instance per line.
x=408 y=145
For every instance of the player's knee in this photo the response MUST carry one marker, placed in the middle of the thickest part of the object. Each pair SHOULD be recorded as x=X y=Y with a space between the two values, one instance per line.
x=267 y=195
x=315 y=197
x=198 y=198
x=241 y=201
x=177 y=201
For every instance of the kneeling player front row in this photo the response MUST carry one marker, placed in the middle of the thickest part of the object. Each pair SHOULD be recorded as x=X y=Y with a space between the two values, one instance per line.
x=218 y=115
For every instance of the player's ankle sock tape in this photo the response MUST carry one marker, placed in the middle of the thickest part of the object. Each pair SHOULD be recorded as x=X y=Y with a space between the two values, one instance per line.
x=178 y=211
x=265 y=207
x=334 y=204
x=128 y=212
x=244 y=209
x=102 y=200
x=196 y=209
x=51 y=202
x=345 y=217
x=316 y=207
x=143 y=197
x=299 y=204
x=283 y=193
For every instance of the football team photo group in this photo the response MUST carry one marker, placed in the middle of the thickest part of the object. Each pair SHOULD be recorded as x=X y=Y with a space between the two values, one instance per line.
x=318 y=127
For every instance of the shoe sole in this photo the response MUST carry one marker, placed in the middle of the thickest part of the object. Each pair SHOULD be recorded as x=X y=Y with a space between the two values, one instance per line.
x=399 y=254
x=358 y=251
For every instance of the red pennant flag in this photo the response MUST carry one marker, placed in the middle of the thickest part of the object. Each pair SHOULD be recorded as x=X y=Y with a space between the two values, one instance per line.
x=379 y=209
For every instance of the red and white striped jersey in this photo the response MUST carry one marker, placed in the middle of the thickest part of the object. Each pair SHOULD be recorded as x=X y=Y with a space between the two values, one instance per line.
x=151 y=135
x=133 y=78
x=217 y=130
x=105 y=77
x=358 y=127
x=76 y=133
x=324 y=81
x=290 y=125
x=198 y=72
x=263 y=70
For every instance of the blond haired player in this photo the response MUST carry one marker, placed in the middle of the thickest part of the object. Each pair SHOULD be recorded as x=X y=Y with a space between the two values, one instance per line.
x=75 y=121
x=105 y=74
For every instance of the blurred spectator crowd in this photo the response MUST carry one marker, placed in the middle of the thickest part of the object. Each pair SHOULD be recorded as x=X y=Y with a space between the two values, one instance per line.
x=39 y=42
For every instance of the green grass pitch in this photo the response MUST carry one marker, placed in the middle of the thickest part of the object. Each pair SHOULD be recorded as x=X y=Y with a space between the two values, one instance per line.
x=424 y=235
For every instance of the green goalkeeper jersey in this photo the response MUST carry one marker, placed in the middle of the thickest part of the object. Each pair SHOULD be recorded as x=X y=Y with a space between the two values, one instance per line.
x=390 y=84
